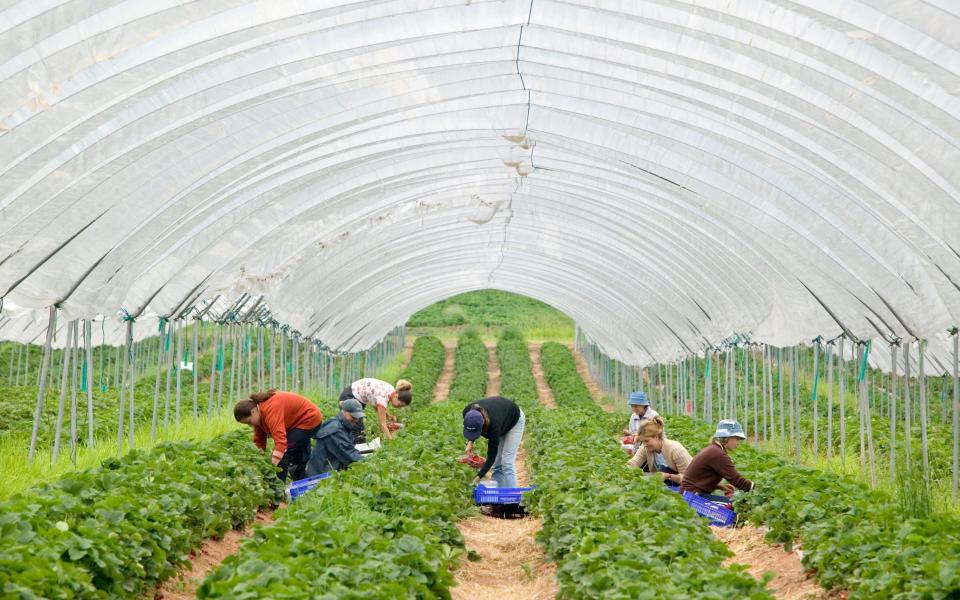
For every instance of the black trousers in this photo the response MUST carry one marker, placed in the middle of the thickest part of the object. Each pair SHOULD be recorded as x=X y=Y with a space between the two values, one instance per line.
x=294 y=461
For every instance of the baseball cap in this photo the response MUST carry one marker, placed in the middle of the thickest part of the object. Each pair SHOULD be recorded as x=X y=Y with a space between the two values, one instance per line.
x=472 y=424
x=352 y=407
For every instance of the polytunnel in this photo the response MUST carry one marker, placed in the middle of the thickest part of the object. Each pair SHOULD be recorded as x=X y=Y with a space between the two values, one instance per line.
x=290 y=289
x=665 y=172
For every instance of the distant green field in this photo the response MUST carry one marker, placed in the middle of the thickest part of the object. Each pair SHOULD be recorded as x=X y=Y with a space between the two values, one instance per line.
x=489 y=311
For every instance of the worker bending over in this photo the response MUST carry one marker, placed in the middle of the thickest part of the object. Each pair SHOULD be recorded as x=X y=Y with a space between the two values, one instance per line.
x=656 y=454
x=712 y=465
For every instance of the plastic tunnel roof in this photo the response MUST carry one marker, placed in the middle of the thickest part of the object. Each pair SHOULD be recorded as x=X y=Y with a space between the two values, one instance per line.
x=665 y=172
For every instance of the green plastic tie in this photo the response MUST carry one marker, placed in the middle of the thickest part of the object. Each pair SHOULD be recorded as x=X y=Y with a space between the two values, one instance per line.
x=863 y=365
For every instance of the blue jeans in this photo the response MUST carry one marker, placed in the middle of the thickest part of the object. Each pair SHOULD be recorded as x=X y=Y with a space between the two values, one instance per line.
x=505 y=468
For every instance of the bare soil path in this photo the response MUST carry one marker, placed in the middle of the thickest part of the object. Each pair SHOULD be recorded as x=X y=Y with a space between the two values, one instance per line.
x=792 y=581
x=543 y=390
x=584 y=371
x=442 y=391
x=508 y=562
x=493 y=371
x=183 y=586
x=511 y=564
x=407 y=351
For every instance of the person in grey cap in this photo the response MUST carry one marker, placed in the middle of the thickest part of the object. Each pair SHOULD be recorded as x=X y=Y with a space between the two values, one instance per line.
x=712 y=465
x=641 y=411
x=334 y=449
x=500 y=421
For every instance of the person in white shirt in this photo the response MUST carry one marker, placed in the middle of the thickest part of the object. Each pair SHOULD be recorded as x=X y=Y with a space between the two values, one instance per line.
x=642 y=411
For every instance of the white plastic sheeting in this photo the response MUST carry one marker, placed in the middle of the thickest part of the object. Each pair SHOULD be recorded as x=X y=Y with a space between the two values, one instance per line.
x=666 y=172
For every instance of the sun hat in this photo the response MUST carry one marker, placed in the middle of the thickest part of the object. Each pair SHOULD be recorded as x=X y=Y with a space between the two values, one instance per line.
x=729 y=428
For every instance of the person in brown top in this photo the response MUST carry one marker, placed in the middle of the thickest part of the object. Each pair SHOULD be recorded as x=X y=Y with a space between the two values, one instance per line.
x=712 y=465
x=290 y=419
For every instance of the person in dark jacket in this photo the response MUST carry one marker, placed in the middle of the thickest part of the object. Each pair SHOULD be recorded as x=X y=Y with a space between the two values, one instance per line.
x=712 y=465
x=333 y=449
x=500 y=421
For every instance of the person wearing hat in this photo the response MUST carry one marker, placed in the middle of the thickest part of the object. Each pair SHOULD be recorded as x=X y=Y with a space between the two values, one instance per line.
x=333 y=449
x=712 y=465
x=641 y=412
x=500 y=421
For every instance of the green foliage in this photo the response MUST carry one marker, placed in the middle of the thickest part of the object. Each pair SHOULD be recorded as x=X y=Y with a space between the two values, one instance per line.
x=470 y=369
x=613 y=532
x=489 y=308
x=426 y=365
x=511 y=334
x=384 y=528
x=114 y=531
x=560 y=371
x=17 y=404
x=856 y=539
x=516 y=372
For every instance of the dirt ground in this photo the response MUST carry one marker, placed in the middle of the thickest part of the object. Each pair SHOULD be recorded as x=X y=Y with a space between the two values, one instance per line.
x=407 y=352
x=749 y=548
x=584 y=372
x=442 y=390
x=511 y=564
x=543 y=390
x=493 y=371
x=206 y=559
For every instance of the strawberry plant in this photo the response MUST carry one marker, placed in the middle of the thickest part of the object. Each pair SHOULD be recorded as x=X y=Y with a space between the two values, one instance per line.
x=560 y=371
x=853 y=537
x=426 y=365
x=385 y=527
x=470 y=369
x=114 y=531
x=613 y=532
x=516 y=372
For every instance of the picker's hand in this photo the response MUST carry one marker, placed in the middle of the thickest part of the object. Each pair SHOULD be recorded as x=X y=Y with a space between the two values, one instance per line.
x=728 y=490
x=469 y=450
x=475 y=481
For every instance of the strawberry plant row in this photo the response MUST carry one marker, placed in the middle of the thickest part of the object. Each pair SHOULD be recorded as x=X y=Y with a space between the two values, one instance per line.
x=560 y=371
x=383 y=528
x=516 y=372
x=470 y=369
x=116 y=530
x=855 y=538
x=613 y=532
x=426 y=365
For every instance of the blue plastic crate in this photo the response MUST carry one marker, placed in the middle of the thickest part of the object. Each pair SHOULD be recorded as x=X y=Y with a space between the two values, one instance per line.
x=301 y=487
x=493 y=495
x=715 y=512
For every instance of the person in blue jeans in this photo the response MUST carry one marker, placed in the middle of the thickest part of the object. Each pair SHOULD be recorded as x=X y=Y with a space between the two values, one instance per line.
x=500 y=421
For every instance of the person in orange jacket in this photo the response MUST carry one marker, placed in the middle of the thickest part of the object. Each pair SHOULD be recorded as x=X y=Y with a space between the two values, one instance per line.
x=290 y=419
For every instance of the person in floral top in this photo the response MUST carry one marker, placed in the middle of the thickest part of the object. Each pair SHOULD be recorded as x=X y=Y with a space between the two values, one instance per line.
x=381 y=395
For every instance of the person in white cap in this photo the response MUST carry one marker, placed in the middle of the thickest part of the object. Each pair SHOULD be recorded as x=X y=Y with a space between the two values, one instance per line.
x=334 y=449
x=712 y=465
